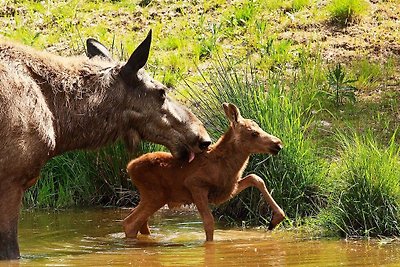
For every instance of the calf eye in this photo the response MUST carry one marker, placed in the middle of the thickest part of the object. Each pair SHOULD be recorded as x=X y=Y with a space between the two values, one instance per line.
x=255 y=134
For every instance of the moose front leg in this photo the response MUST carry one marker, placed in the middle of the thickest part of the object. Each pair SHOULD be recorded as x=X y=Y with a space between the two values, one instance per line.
x=10 y=201
x=200 y=199
x=256 y=181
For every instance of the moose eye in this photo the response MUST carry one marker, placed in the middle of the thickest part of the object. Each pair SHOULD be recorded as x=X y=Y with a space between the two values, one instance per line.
x=255 y=134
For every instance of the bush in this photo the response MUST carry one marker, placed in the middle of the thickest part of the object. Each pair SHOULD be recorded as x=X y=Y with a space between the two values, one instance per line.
x=296 y=175
x=366 y=201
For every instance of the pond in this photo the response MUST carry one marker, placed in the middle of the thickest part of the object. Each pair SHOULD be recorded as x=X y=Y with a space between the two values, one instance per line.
x=95 y=238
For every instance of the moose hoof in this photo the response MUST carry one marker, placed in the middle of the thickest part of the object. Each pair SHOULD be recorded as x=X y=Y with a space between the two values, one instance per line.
x=130 y=235
x=275 y=220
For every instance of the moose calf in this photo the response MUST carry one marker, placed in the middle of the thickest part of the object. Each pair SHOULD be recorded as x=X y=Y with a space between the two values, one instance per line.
x=212 y=177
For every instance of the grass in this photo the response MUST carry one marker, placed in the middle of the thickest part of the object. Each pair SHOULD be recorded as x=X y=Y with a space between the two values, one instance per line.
x=65 y=181
x=366 y=200
x=93 y=178
x=300 y=4
x=372 y=74
x=243 y=14
x=344 y=12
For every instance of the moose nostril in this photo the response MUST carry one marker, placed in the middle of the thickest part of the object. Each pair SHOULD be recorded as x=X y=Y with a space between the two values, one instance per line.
x=204 y=145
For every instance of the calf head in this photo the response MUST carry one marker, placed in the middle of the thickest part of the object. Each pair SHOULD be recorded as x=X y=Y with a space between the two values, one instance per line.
x=248 y=135
x=147 y=112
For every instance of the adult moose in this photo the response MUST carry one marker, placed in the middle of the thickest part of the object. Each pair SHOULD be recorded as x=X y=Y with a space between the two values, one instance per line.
x=51 y=104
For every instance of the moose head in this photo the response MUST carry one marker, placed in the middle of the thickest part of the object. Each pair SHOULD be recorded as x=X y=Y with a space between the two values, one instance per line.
x=148 y=112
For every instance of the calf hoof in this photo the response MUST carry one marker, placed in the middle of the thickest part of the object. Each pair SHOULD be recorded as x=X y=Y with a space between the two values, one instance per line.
x=130 y=235
x=275 y=220
x=145 y=230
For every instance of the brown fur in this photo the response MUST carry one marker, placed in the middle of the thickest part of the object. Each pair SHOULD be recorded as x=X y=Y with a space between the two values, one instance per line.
x=212 y=177
x=51 y=104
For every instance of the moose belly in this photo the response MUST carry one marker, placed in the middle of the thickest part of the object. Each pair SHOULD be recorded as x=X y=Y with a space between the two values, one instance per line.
x=218 y=195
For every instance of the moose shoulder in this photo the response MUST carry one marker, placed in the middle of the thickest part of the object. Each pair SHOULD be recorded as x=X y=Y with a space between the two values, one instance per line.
x=51 y=104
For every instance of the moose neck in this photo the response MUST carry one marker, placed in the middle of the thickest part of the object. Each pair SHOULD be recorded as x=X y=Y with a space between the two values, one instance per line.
x=83 y=105
x=231 y=154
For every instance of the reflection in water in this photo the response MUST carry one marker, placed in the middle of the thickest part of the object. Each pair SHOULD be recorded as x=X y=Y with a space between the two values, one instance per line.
x=95 y=238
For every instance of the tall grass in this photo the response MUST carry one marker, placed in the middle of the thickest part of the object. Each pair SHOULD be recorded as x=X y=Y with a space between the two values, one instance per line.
x=296 y=175
x=64 y=181
x=83 y=178
x=366 y=200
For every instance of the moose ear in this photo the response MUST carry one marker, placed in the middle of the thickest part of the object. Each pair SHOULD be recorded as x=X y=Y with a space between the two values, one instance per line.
x=95 y=48
x=232 y=112
x=139 y=57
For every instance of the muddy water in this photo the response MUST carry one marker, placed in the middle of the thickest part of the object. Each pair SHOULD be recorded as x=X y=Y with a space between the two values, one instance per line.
x=94 y=238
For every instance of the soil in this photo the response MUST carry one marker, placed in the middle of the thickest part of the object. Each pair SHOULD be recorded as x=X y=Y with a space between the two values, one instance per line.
x=375 y=35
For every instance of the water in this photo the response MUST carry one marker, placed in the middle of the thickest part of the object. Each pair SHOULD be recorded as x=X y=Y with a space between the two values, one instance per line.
x=95 y=238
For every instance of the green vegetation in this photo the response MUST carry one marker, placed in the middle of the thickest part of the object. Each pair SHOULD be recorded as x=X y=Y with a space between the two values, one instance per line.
x=65 y=181
x=345 y=11
x=84 y=178
x=366 y=201
x=286 y=64
x=341 y=87
x=299 y=4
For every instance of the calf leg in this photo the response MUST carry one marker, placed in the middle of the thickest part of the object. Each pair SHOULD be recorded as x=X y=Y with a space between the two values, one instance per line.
x=129 y=222
x=138 y=219
x=200 y=199
x=145 y=230
x=10 y=201
x=256 y=181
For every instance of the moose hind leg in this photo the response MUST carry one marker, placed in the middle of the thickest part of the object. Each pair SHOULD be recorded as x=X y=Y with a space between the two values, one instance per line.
x=130 y=221
x=10 y=201
x=143 y=218
x=253 y=180
x=138 y=219
x=145 y=230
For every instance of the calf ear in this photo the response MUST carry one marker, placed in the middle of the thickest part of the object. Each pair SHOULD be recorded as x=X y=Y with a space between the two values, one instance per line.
x=139 y=57
x=95 y=48
x=232 y=112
